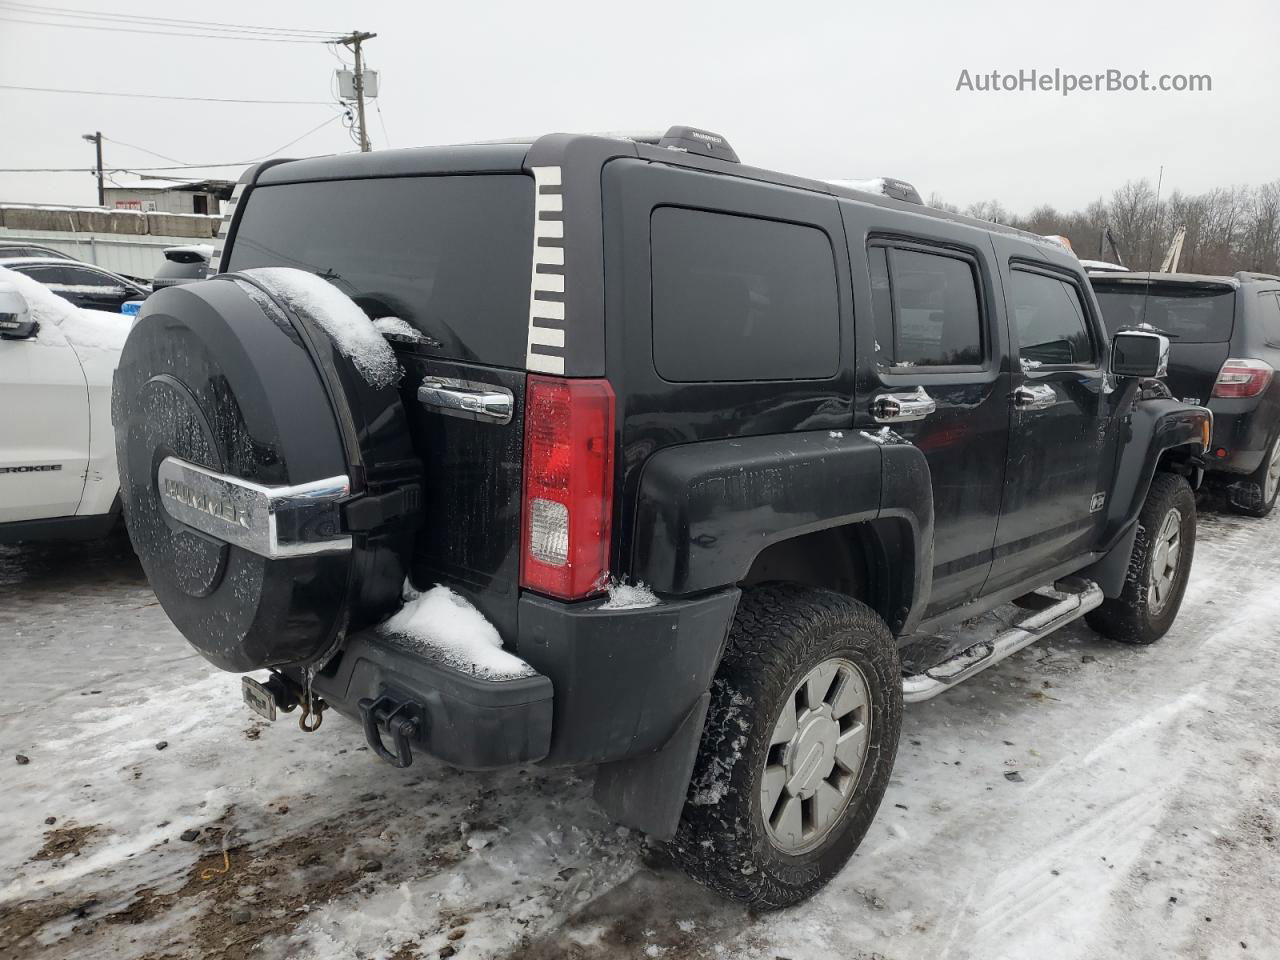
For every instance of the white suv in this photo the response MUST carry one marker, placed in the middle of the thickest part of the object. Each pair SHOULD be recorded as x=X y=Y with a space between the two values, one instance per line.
x=57 y=453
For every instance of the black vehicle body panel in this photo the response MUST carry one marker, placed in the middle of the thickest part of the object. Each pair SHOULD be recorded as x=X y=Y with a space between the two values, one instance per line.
x=1243 y=426
x=706 y=511
x=946 y=514
x=964 y=441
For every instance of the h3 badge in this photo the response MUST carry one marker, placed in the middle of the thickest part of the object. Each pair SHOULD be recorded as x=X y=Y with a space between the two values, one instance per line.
x=1098 y=502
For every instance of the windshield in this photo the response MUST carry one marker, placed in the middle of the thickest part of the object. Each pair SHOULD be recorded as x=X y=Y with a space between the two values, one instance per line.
x=450 y=255
x=1187 y=313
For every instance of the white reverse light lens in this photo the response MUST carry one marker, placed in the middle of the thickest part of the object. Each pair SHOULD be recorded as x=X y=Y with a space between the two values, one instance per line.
x=549 y=532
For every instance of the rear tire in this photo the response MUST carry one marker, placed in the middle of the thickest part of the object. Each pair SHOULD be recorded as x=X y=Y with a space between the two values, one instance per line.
x=1255 y=495
x=804 y=719
x=1158 y=567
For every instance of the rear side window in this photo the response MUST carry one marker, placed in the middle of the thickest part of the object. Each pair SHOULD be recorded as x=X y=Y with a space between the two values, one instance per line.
x=926 y=308
x=738 y=298
x=1269 y=308
x=1049 y=318
x=1188 y=313
x=450 y=255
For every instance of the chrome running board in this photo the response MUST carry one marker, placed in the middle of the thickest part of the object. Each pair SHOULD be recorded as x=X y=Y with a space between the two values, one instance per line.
x=1069 y=601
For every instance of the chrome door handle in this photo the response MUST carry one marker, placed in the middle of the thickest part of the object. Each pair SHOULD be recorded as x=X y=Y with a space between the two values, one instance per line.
x=467 y=399
x=902 y=407
x=1040 y=396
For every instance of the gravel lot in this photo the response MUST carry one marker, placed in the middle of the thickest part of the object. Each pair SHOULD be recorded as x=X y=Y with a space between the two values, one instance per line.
x=1081 y=800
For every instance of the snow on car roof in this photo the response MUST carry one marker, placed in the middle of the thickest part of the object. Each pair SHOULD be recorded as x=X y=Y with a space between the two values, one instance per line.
x=61 y=322
x=10 y=261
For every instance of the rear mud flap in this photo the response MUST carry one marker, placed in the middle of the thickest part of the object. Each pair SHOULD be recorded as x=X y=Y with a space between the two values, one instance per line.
x=648 y=792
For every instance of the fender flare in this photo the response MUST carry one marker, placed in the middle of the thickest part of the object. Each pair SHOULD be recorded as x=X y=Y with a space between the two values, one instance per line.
x=1153 y=428
x=705 y=511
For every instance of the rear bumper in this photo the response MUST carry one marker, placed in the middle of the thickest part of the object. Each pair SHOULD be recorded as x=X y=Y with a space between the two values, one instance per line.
x=624 y=679
x=609 y=684
x=1243 y=429
x=468 y=721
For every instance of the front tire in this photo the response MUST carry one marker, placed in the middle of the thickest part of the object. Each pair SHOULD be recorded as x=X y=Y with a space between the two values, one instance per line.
x=798 y=746
x=1158 y=568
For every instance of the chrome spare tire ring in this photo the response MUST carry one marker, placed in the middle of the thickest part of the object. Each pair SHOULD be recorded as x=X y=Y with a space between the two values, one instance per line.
x=816 y=754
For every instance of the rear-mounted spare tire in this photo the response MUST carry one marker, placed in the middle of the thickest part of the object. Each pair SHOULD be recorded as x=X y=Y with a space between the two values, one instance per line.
x=269 y=484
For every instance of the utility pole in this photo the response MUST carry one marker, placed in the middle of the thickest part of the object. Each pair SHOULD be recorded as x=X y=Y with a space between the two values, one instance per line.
x=96 y=138
x=353 y=40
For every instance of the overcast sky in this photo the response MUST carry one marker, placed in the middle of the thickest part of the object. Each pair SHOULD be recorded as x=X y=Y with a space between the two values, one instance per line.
x=837 y=89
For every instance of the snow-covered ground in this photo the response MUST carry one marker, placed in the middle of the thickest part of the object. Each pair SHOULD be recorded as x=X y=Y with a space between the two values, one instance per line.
x=1083 y=800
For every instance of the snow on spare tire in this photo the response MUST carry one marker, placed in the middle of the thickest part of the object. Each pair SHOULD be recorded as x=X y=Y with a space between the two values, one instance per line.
x=268 y=378
x=348 y=326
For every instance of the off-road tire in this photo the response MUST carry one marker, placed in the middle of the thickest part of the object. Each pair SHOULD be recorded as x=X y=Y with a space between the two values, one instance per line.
x=781 y=632
x=1248 y=495
x=1130 y=617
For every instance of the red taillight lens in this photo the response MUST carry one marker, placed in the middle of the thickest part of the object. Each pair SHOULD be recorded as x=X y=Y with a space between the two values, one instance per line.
x=568 y=486
x=1243 y=378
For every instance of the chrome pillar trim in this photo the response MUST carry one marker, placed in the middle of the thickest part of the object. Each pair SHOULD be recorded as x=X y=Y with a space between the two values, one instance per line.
x=1070 y=606
x=273 y=522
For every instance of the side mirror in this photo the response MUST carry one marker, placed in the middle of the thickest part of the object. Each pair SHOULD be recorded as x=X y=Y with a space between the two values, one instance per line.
x=1139 y=353
x=15 y=318
x=13 y=328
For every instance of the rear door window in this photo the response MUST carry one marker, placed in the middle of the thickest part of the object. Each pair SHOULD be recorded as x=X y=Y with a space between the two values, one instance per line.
x=740 y=298
x=927 y=309
x=1049 y=317
x=450 y=255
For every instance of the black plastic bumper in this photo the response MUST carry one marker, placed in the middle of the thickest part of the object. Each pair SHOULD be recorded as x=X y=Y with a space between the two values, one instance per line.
x=610 y=684
x=468 y=721
x=1243 y=429
x=625 y=680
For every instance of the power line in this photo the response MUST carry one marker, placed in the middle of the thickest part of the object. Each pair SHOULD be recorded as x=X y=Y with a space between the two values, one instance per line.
x=181 y=166
x=161 y=96
x=161 y=33
x=295 y=140
x=142 y=150
x=167 y=22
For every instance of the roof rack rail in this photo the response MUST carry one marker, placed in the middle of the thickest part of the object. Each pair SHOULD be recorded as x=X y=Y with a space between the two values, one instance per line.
x=703 y=142
x=1251 y=275
x=886 y=186
x=684 y=139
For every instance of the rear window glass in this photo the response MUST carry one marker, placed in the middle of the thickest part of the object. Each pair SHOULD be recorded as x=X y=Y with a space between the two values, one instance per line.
x=1188 y=314
x=450 y=255
x=737 y=298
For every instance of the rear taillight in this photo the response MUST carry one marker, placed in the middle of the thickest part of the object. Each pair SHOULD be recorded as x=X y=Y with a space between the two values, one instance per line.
x=1243 y=378
x=568 y=486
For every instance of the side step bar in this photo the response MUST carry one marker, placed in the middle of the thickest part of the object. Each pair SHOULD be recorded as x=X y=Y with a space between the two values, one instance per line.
x=1069 y=601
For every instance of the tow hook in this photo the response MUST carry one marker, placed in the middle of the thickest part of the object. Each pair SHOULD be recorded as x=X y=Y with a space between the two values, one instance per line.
x=400 y=718
x=313 y=709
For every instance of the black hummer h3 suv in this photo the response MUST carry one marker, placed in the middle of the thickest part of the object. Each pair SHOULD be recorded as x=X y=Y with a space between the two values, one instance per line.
x=826 y=428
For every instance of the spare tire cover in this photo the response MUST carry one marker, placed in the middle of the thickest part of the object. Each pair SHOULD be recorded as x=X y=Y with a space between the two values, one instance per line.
x=220 y=376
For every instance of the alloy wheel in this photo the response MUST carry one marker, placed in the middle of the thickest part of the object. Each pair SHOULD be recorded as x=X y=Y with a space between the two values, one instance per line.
x=816 y=754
